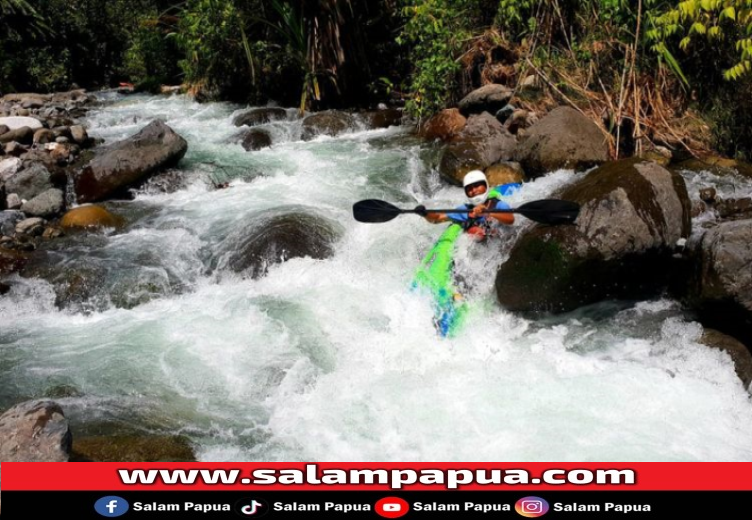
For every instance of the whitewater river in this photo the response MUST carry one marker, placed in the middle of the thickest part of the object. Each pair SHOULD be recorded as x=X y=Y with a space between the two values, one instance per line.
x=336 y=359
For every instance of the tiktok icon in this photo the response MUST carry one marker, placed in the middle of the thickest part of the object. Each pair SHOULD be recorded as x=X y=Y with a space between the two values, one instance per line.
x=251 y=507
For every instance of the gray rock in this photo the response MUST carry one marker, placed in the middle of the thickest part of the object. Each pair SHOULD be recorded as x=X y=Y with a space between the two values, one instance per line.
x=47 y=204
x=8 y=221
x=563 y=138
x=127 y=163
x=720 y=281
x=13 y=201
x=482 y=142
x=632 y=215
x=488 y=98
x=35 y=431
x=9 y=167
x=30 y=182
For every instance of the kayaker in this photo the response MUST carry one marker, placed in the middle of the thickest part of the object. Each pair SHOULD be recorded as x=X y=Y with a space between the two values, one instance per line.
x=480 y=198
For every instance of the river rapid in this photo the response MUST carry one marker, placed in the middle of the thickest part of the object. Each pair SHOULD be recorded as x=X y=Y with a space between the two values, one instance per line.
x=337 y=359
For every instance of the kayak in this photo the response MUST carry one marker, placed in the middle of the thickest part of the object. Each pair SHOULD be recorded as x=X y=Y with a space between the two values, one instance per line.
x=435 y=276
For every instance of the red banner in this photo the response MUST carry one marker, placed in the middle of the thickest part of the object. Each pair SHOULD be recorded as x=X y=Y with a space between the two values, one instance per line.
x=262 y=476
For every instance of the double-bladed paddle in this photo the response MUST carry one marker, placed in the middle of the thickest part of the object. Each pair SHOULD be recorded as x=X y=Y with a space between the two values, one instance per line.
x=546 y=211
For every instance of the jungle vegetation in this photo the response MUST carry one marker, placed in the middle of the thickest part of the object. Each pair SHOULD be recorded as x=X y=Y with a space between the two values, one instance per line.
x=669 y=71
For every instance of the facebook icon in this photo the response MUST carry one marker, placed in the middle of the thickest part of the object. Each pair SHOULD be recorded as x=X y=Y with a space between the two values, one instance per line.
x=111 y=506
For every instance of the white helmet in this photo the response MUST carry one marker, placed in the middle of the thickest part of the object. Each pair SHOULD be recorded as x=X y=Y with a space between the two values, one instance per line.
x=473 y=178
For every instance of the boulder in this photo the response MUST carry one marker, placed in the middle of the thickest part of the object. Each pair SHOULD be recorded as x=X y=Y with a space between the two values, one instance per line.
x=720 y=280
x=125 y=448
x=23 y=135
x=444 y=126
x=383 y=118
x=127 y=163
x=15 y=122
x=328 y=122
x=482 y=142
x=276 y=238
x=256 y=139
x=35 y=431
x=47 y=204
x=488 y=98
x=90 y=217
x=563 y=138
x=258 y=116
x=30 y=182
x=621 y=246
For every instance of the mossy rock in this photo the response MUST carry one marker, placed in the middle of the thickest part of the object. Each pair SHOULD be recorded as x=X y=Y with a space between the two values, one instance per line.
x=132 y=449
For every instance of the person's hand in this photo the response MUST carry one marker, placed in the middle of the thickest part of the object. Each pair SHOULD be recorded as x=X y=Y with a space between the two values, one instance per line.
x=421 y=210
x=477 y=211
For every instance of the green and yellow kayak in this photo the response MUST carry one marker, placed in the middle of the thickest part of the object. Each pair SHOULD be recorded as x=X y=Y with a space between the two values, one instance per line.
x=435 y=275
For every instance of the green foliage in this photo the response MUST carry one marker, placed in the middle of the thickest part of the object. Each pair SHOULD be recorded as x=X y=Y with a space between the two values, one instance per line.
x=716 y=22
x=152 y=57
x=434 y=30
x=210 y=36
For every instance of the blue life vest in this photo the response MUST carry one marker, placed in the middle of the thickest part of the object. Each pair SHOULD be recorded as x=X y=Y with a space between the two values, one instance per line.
x=495 y=194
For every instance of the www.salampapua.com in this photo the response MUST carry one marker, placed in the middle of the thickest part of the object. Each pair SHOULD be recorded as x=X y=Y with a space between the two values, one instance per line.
x=394 y=478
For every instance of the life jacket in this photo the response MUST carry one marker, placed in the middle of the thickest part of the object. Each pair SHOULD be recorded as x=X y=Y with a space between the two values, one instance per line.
x=480 y=227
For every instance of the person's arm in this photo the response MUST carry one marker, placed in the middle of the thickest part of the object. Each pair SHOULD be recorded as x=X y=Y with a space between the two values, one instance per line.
x=433 y=218
x=502 y=218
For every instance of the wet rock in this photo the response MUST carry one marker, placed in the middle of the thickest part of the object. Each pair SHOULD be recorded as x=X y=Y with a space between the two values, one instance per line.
x=482 y=142
x=444 y=126
x=12 y=261
x=383 y=118
x=328 y=122
x=728 y=208
x=276 y=238
x=258 y=116
x=621 y=246
x=708 y=195
x=129 y=162
x=47 y=204
x=488 y=98
x=256 y=139
x=564 y=138
x=122 y=448
x=90 y=217
x=739 y=353
x=35 y=431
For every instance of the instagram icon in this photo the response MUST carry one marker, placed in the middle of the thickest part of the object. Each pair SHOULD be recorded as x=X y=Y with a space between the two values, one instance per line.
x=531 y=507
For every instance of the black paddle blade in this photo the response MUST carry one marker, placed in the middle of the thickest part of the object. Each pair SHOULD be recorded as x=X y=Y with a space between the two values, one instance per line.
x=373 y=210
x=550 y=211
